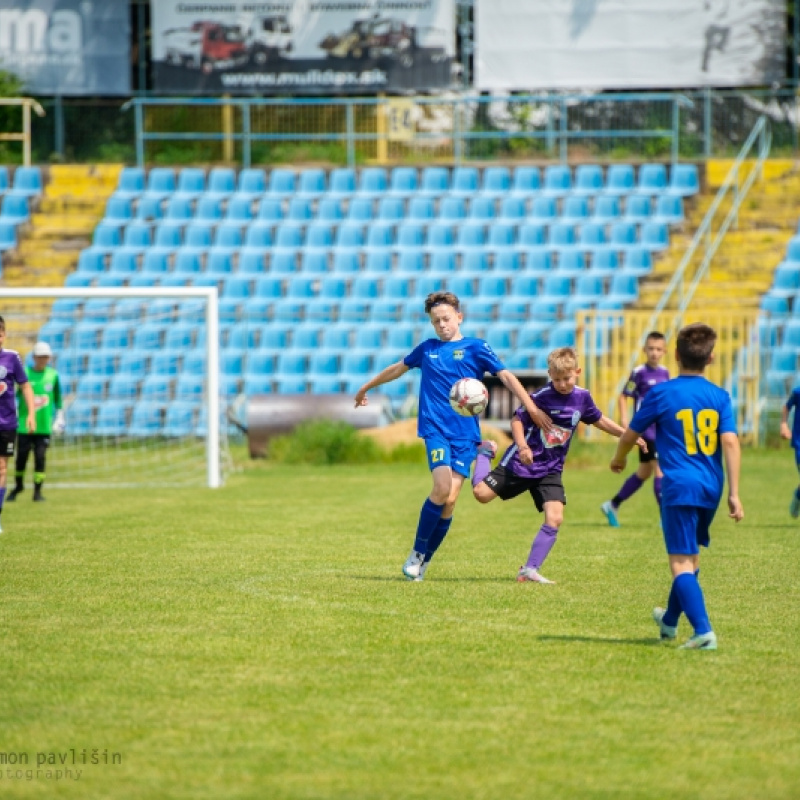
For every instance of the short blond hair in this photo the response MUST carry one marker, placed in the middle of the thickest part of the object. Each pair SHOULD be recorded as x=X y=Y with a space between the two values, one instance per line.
x=562 y=359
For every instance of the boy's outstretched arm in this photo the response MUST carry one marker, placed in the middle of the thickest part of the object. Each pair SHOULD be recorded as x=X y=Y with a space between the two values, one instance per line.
x=607 y=425
x=391 y=373
x=626 y=443
x=511 y=382
x=733 y=459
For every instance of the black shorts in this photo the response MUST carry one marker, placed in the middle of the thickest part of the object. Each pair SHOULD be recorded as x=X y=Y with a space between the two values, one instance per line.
x=506 y=485
x=7 y=440
x=651 y=454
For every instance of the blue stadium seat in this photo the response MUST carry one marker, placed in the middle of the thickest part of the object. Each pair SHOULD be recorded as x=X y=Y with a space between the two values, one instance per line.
x=515 y=308
x=252 y=261
x=133 y=366
x=179 y=208
x=8 y=236
x=576 y=209
x=624 y=287
x=410 y=234
x=435 y=181
x=342 y=182
x=373 y=181
x=441 y=261
x=190 y=387
x=638 y=208
x=571 y=260
x=537 y=260
x=301 y=287
x=391 y=209
x=198 y=235
x=110 y=281
x=471 y=234
x=93 y=388
x=556 y=285
x=532 y=335
x=512 y=209
x=791 y=335
x=380 y=235
x=150 y=208
x=329 y=209
x=349 y=236
x=168 y=235
x=606 y=209
x=180 y=419
x=361 y=210
x=239 y=209
x=137 y=234
x=482 y=209
x=452 y=209
x=208 y=209
x=543 y=209
x=562 y=335
x=237 y=287
x=637 y=259
x=560 y=234
x=300 y=210
x=78 y=280
x=325 y=384
x=102 y=362
x=258 y=235
x=232 y=363
x=496 y=181
x=427 y=284
x=27 y=181
x=124 y=261
x=588 y=179
x=311 y=183
x=404 y=181
x=191 y=183
x=257 y=383
x=654 y=236
x=91 y=260
x=98 y=309
x=684 y=181
x=315 y=261
x=252 y=182
x=14 y=210
x=131 y=183
x=465 y=181
x=420 y=209
x=409 y=260
x=148 y=336
x=118 y=210
x=606 y=261
x=270 y=209
x=527 y=181
x=160 y=182
x=652 y=179
x=338 y=337
x=376 y=261
x=221 y=182
x=786 y=280
x=591 y=234
x=228 y=235
x=355 y=362
x=440 y=234
x=288 y=235
x=319 y=235
x=622 y=234
x=474 y=260
x=546 y=308
x=242 y=337
x=369 y=337
x=501 y=235
x=669 y=210
x=481 y=310
x=531 y=234
x=333 y=287
x=557 y=180
x=157 y=387
x=281 y=182
x=187 y=261
x=112 y=418
x=505 y=260
x=620 y=180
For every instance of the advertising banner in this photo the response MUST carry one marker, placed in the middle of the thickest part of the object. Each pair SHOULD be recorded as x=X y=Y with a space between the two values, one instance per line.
x=302 y=46
x=627 y=44
x=67 y=47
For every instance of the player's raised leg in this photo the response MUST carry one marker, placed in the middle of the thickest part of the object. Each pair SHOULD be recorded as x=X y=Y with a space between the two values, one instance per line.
x=543 y=543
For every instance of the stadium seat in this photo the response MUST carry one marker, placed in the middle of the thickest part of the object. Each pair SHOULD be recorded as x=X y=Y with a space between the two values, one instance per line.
x=527 y=181
x=620 y=180
x=404 y=182
x=342 y=182
x=684 y=181
x=531 y=234
x=624 y=287
x=329 y=209
x=239 y=209
x=8 y=236
x=14 y=209
x=543 y=209
x=198 y=235
x=557 y=181
x=311 y=184
x=638 y=208
x=622 y=235
x=391 y=209
x=124 y=261
x=149 y=209
x=576 y=209
x=160 y=182
x=786 y=280
x=119 y=210
x=637 y=259
x=512 y=209
x=654 y=236
x=300 y=210
x=157 y=387
x=410 y=234
x=669 y=210
x=190 y=387
x=131 y=183
x=470 y=235
x=180 y=419
x=270 y=210
x=560 y=234
x=102 y=362
x=281 y=183
x=652 y=179
x=482 y=209
x=360 y=210
x=420 y=209
x=349 y=236
x=409 y=260
x=591 y=234
x=376 y=261
x=252 y=182
x=588 y=179
x=496 y=181
x=435 y=181
x=604 y=262
x=372 y=181
x=452 y=209
x=464 y=181
x=221 y=183
x=27 y=181
x=562 y=335
x=191 y=183
x=112 y=418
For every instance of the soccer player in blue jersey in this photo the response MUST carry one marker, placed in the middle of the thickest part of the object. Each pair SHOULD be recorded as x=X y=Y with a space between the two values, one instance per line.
x=451 y=441
x=641 y=381
x=793 y=436
x=695 y=430
x=535 y=461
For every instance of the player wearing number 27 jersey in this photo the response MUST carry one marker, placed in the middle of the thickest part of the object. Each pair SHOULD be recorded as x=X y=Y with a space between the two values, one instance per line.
x=695 y=430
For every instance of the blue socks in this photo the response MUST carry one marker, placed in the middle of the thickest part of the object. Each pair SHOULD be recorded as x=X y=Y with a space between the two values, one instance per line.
x=428 y=519
x=690 y=595
x=437 y=537
x=674 y=609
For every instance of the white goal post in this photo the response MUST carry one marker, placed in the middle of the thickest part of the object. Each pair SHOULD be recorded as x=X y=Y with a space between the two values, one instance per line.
x=18 y=317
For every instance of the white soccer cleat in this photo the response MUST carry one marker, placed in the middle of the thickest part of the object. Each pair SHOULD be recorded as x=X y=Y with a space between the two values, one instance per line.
x=667 y=631
x=422 y=570
x=611 y=514
x=530 y=575
x=701 y=641
x=413 y=565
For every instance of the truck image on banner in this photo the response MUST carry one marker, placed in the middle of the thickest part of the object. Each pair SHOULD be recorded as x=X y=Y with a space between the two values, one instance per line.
x=302 y=46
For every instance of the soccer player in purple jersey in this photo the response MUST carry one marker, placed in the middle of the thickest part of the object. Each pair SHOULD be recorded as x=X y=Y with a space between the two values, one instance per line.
x=451 y=441
x=641 y=381
x=12 y=374
x=535 y=461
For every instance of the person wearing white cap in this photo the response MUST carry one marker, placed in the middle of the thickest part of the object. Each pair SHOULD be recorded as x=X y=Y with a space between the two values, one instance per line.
x=49 y=419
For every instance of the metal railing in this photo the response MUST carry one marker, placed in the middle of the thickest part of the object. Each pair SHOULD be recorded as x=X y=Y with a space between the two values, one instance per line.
x=24 y=135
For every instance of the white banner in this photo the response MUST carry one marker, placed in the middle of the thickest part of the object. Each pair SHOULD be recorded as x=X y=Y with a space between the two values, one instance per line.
x=312 y=46
x=608 y=44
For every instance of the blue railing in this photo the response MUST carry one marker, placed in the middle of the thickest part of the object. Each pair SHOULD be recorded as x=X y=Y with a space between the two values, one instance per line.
x=553 y=121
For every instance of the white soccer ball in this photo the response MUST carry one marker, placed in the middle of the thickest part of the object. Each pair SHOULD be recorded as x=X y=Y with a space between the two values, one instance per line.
x=469 y=397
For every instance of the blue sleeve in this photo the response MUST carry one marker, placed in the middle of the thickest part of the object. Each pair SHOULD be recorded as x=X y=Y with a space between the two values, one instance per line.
x=792 y=401
x=488 y=360
x=647 y=413
x=414 y=358
x=727 y=423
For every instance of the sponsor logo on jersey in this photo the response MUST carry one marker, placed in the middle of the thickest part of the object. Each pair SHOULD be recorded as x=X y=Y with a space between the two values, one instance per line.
x=630 y=386
x=40 y=401
x=433 y=355
x=3 y=387
x=458 y=355
x=576 y=418
x=556 y=438
x=3 y=372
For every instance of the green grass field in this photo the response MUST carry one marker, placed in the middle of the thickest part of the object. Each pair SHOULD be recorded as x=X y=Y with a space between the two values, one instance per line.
x=259 y=642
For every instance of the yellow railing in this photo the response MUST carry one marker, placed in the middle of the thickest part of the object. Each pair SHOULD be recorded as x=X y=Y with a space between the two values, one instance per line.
x=608 y=341
x=24 y=135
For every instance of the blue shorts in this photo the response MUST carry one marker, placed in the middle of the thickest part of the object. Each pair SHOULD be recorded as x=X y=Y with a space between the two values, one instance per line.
x=686 y=528
x=457 y=455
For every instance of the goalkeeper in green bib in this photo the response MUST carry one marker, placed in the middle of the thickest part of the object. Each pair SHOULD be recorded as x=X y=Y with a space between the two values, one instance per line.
x=49 y=419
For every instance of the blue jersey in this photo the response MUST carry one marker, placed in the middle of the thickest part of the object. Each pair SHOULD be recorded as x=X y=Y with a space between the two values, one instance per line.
x=794 y=403
x=690 y=414
x=442 y=364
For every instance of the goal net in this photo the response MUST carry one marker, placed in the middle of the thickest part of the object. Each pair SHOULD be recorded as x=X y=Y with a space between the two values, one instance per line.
x=140 y=382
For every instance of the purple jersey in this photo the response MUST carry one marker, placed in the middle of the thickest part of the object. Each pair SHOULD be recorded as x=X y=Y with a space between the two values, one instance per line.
x=641 y=381
x=550 y=450
x=12 y=374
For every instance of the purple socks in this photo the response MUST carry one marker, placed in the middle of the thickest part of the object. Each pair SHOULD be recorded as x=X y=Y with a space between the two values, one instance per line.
x=482 y=468
x=542 y=545
x=630 y=487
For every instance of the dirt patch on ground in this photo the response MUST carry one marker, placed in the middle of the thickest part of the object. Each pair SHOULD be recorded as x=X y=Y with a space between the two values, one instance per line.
x=405 y=432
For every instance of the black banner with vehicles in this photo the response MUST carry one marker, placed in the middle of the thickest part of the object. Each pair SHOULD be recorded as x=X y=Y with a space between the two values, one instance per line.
x=302 y=46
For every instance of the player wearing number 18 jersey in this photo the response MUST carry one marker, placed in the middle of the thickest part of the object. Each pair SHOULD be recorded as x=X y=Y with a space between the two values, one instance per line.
x=695 y=429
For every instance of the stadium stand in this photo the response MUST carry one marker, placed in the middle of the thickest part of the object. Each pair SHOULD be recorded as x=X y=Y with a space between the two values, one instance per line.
x=352 y=255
